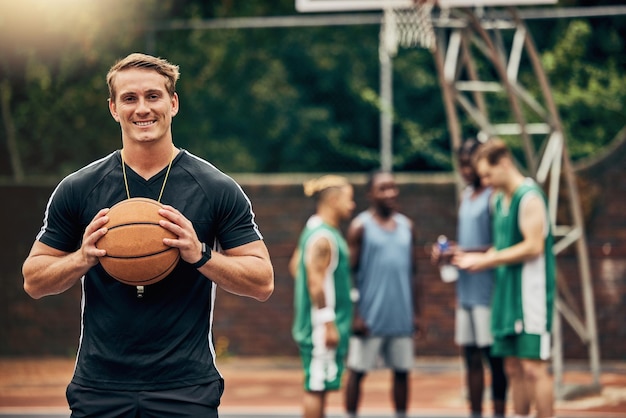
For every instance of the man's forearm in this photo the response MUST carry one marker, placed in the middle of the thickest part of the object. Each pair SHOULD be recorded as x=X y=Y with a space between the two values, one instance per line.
x=46 y=275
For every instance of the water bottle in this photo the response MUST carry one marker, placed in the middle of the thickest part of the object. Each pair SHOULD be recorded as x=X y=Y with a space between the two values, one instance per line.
x=447 y=271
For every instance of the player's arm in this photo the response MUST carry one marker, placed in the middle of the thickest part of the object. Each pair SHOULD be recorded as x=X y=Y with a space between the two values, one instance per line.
x=48 y=271
x=416 y=284
x=414 y=255
x=293 y=263
x=317 y=260
x=414 y=248
x=245 y=270
x=354 y=238
x=532 y=221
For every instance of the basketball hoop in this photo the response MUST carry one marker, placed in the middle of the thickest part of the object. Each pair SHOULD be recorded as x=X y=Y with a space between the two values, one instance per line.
x=408 y=27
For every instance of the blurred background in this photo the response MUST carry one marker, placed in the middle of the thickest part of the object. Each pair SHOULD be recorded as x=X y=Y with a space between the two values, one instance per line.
x=267 y=100
x=272 y=101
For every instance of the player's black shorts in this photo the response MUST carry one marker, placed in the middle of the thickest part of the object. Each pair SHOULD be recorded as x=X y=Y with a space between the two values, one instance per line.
x=190 y=401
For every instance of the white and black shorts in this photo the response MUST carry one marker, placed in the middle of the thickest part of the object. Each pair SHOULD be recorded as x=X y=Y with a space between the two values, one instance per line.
x=473 y=326
x=368 y=353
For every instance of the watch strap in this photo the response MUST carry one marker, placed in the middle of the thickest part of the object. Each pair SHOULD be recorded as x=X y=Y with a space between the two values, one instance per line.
x=206 y=256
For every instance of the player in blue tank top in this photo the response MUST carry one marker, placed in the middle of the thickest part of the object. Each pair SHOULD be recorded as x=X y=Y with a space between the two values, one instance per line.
x=382 y=252
x=474 y=290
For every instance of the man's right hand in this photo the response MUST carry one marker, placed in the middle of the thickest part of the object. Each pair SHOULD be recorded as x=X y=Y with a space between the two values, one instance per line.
x=359 y=327
x=93 y=232
x=332 y=335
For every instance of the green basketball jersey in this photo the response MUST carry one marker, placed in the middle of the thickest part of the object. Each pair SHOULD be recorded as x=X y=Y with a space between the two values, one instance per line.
x=336 y=287
x=523 y=295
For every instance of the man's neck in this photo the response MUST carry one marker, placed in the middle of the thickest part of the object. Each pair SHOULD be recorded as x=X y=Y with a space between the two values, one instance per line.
x=329 y=217
x=383 y=214
x=148 y=160
x=516 y=180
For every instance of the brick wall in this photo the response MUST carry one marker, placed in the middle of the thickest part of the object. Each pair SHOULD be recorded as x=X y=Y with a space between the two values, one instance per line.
x=51 y=326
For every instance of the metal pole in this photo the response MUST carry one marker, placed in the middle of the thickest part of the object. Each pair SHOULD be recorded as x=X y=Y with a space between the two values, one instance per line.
x=501 y=68
x=452 y=118
x=557 y=349
x=386 y=97
x=574 y=201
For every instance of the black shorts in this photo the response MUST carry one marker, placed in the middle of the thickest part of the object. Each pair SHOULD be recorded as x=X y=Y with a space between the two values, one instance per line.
x=190 y=401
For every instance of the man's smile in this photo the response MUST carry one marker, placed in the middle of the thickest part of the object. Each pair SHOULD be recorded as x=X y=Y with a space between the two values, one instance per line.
x=144 y=123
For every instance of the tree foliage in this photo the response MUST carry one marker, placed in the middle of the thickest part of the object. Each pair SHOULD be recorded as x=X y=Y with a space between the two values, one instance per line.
x=264 y=100
x=589 y=88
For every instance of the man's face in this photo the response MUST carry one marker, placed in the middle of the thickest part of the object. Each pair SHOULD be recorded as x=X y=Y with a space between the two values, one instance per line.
x=491 y=175
x=466 y=168
x=384 y=192
x=345 y=202
x=142 y=105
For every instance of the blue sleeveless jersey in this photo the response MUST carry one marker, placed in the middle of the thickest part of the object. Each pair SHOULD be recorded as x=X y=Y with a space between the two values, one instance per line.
x=384 y=277
x=474 y=231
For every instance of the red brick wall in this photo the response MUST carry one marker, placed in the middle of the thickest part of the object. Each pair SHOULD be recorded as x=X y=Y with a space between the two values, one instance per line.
x=51 y=326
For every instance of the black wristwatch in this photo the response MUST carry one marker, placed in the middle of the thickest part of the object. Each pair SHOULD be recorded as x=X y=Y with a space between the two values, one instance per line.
x=206 y=256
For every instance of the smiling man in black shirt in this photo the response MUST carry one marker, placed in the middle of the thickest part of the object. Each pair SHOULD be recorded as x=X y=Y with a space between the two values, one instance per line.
x=152 y=354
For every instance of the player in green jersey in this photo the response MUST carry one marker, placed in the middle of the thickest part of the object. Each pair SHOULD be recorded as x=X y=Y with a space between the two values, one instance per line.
x=322 y=304
x=523 y=299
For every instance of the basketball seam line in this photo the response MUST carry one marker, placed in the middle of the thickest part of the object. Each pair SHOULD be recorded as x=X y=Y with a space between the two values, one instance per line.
x=141 y=255
x=138 y=282
x=132 y=223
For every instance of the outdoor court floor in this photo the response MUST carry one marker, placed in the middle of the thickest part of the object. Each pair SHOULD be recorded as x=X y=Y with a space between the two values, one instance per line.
x=271 y=387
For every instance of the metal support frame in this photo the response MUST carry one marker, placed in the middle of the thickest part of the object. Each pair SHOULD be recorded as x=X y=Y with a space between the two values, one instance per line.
x=386 y=52
x=457 y=39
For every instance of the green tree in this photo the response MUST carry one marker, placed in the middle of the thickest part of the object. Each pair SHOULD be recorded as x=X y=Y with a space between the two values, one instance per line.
x=54 y=56
x=265 y=100
x=590 y=93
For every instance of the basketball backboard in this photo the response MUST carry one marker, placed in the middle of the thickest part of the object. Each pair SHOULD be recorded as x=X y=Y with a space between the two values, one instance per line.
x=353 y=5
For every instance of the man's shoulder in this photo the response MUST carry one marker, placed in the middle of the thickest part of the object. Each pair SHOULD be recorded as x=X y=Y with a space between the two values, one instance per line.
x=203 y=171
x=530 y=190
x=403 y=220
x=529 y=185
x=316 y=228
x=404 y=217
x=359 y=221
x=92 y=173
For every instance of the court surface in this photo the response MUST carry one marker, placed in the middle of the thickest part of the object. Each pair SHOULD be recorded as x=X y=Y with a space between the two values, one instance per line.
x=241 y=416
x=280 y=415
x=273 y=415
x=271 y=387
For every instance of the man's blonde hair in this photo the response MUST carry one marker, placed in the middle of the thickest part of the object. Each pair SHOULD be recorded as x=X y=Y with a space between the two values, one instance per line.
x=147 y=62
x=314 y=187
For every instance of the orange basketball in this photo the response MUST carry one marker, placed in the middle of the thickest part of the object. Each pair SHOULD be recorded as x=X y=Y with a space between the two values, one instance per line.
x=136 y=254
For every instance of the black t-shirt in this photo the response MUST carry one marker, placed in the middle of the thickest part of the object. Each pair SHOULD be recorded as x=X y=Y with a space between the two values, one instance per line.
x=163 y=340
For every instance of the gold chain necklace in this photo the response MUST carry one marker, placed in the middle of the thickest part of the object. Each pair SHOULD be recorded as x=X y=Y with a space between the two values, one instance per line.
x=164 y=180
